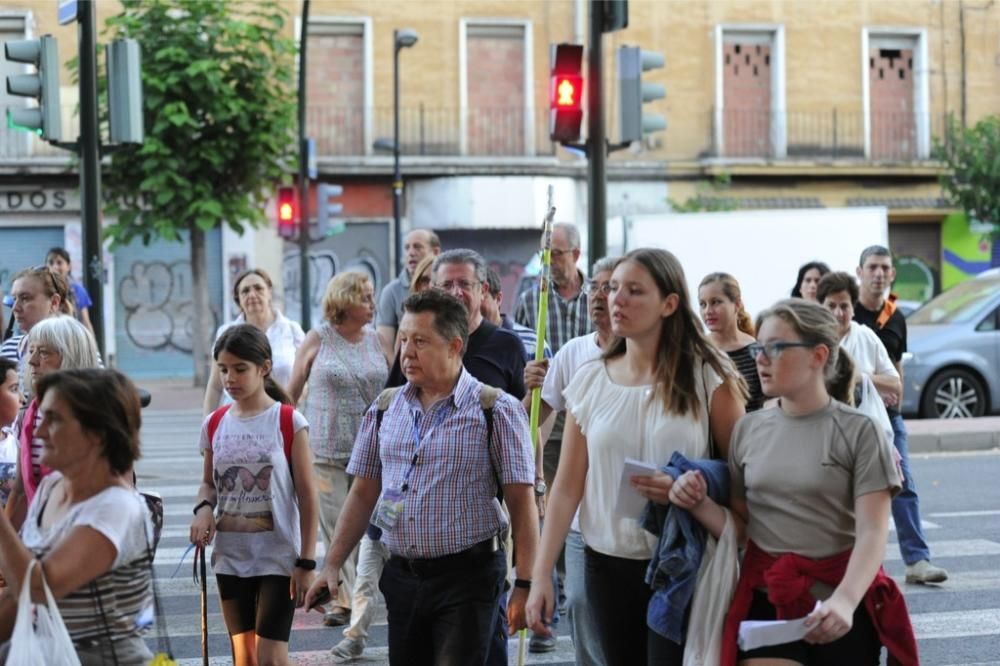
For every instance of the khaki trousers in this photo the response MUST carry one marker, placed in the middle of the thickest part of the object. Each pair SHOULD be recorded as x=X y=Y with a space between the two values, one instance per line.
x=332 y=485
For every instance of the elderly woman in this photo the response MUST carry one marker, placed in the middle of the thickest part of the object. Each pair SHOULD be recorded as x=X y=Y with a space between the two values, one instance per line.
x=253 y=295
x=55 y=343
x=87 y=526
x=342 y=362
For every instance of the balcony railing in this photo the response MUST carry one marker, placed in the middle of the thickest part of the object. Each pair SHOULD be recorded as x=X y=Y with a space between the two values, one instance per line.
x=341 y=132
x=834 y=134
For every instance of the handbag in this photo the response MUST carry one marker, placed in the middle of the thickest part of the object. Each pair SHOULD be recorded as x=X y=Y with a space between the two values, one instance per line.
x=43 y=641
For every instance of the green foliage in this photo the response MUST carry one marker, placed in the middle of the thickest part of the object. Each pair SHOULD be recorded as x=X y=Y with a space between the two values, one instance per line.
x=972 y=179
x=219 y=105
x=707 y=200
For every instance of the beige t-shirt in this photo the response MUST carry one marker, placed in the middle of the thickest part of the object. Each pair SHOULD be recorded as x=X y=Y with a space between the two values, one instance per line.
x=622 y=422
x=800 y=476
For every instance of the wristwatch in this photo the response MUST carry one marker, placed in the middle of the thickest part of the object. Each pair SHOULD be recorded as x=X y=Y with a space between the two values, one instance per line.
x=308 y=565
x=522 y=583
x=540 y=487
x=202 y=503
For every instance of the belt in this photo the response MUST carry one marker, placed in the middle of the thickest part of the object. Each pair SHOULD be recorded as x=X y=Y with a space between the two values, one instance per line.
x=428 y=567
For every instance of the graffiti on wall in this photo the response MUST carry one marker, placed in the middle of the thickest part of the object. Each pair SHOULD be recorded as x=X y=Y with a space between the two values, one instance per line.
x=158 y=304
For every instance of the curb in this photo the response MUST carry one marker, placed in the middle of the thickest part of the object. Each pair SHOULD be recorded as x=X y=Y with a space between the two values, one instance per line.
x=953 y=435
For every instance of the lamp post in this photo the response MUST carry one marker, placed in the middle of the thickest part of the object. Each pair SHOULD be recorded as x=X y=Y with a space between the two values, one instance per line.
x=401 y=39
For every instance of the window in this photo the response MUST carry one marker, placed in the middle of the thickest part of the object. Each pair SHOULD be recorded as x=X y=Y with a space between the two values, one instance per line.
x=750 y=91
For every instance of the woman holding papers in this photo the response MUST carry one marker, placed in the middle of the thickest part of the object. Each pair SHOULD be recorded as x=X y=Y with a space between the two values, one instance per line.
x=813 y=480
x=653 y=393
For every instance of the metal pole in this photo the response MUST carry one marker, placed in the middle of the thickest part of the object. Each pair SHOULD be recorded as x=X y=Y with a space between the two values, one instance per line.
x=90 y=171
x=597 y=232
x=305 y=292
x=397 y=177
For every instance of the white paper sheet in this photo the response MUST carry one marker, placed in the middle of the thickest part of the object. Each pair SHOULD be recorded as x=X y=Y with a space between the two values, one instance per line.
x=760 y=633
x=630 y=503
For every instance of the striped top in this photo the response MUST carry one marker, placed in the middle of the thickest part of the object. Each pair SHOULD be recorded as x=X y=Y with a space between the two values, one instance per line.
x=568 y=318
x=451 y=501
x=125 y=591
x=748 y=368
x=9 y=349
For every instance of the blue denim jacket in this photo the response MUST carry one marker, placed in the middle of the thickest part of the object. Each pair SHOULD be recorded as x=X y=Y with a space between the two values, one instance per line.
x=673 y=569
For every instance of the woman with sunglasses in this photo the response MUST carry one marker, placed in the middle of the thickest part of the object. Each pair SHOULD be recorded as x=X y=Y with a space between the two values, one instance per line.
x=812 y=480
x=257 y=499
x=661 y=388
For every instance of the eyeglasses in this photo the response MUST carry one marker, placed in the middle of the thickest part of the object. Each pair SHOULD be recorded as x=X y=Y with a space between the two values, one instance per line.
x=43 y=353
x=462 y=285
x=772 y=350
x=558 y=254
x=602 y=288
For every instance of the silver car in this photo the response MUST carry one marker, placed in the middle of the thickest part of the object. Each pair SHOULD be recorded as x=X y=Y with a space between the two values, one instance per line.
x=952 y=367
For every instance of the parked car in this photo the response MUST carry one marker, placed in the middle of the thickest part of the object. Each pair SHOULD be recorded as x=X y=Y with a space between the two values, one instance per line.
x=952 y=367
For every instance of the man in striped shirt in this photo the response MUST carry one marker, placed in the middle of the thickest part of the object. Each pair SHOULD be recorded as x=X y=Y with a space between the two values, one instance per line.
x=428 y=477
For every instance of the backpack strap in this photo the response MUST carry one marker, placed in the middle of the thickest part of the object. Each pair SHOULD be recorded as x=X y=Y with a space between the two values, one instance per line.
x=487 y=401
x=287 y=424
x=888 y=309
x=214 y=420
x=382 y=403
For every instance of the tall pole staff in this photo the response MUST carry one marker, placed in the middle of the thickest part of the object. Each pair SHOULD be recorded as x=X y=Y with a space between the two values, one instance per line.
x=544 y=279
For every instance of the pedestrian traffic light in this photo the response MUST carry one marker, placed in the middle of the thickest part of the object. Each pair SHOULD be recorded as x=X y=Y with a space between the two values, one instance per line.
x=326 y=209
x=633 y=93
x=288 y=212
x=566 y=93
x=43 y=86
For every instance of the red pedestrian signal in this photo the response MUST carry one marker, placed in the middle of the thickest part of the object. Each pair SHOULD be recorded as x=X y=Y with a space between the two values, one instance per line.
x=566 y=93
x=287 y=212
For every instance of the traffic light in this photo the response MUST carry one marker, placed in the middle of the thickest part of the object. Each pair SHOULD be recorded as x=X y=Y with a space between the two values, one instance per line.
x=288 y=212
x=124 y=63
x=566 y=93
x=325 y=209
x=43 y=86
x=633 y=93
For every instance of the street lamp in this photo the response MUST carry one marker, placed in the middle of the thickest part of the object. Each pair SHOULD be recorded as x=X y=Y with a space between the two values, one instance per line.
x=401 y=39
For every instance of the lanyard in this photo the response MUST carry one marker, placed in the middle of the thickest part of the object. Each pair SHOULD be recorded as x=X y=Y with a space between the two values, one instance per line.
x=418 y=443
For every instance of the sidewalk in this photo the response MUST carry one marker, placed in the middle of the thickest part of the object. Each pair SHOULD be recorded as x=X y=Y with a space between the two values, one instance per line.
x=172 y=394
x=934 y=435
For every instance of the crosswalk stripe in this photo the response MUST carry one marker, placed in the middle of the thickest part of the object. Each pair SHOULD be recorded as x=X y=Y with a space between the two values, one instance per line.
x=958 y=581
x=957 y=624
x=954 y=548
x=925 y=524
x=965 y=514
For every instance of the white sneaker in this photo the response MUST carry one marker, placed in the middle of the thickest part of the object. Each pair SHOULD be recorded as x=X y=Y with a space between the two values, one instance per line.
x=347 y=650
x=925 y=572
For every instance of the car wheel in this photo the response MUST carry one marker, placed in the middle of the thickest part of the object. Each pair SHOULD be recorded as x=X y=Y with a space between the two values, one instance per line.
x=953 y=393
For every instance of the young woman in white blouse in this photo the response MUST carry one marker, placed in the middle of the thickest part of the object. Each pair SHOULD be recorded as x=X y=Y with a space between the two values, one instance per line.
x=654 y=392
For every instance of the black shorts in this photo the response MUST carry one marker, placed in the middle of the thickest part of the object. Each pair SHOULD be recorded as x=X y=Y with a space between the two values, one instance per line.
x=260 y=604
x=858 y=647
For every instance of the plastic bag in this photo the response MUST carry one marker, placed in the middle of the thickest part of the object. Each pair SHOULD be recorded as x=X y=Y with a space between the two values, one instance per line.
x=870 y=403
x=44 y=641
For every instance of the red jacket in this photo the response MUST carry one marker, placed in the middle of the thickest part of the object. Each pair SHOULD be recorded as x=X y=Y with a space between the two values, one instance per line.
x=788 y=579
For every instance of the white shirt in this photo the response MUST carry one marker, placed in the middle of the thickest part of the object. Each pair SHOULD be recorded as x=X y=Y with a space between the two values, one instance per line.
x=623 y=422
x=867 y=351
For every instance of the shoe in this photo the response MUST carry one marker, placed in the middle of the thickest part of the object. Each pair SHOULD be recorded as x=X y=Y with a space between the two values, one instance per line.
x=337 y=617
x=539 y=643
x=925 y=572
x=347 y=650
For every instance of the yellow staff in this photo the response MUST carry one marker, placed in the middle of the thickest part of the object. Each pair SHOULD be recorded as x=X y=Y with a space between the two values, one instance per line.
x=543 y=314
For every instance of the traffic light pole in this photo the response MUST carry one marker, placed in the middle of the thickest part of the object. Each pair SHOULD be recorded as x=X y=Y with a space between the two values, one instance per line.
x=90 y=170
x=304 y=295
x=597 y=232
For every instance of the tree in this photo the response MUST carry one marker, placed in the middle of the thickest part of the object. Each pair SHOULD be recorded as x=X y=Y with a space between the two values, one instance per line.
x=219 y=112
x=971 y=180
x=707 y=199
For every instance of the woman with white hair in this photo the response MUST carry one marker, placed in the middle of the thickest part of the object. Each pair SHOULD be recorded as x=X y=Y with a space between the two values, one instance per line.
x=54 y=343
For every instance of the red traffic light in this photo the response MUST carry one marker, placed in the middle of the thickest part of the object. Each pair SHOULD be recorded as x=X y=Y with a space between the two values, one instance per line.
x=287 y=211
x=567 y=92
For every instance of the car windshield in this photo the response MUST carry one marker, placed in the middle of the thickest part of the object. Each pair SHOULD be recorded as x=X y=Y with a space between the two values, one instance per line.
x=959 y=304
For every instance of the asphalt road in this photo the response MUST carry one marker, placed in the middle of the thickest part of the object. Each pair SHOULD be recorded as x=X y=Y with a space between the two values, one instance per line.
x=956 y=623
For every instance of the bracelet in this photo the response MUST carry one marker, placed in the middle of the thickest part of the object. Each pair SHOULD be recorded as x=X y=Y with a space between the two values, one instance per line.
x=307 y=565
x=202 y=503
x=522 y=583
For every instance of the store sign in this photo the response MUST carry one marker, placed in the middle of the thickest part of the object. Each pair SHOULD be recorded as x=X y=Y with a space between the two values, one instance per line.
x=39 y=201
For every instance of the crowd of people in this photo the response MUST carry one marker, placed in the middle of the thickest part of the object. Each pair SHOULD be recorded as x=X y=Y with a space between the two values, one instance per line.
x=762 y=460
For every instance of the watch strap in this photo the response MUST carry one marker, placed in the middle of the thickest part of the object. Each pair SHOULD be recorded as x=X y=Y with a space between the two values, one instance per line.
x=522 y=583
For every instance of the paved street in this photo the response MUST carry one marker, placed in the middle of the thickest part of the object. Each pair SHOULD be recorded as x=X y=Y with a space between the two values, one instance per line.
x=957 y=623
